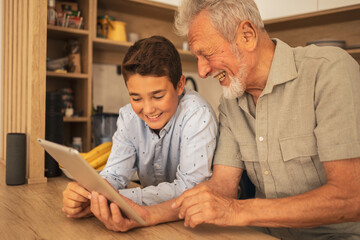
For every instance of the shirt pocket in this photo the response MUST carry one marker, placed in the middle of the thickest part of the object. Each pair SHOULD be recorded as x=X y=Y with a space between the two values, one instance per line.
x=301 y=163
x=294 y=147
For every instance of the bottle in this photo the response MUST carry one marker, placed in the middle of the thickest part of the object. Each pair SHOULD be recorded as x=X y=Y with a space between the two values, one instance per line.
x=77 y=143
x=51 y=13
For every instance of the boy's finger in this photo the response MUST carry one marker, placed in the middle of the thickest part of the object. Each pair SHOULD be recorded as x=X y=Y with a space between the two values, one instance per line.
x=94 y=206
x=77 y=188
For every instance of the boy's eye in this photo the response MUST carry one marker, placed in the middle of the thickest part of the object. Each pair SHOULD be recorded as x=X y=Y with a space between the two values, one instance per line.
x=136 y=99
x=158 y=97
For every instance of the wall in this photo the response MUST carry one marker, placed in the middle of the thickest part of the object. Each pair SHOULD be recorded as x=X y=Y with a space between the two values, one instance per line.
x=110 y=91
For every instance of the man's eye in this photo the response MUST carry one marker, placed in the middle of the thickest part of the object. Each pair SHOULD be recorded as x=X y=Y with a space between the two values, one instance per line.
x=207 y=56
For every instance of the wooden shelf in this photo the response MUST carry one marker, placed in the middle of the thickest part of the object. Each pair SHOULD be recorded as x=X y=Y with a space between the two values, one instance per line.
x=110 y=45
x=64 y=33
x=354 y=52
x=67 y=75
x=75 y=119
x=104 y=44
x=143 y=8
x=315 y=18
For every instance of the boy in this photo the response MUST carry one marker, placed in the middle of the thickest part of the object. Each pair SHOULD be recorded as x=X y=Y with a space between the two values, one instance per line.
x=167 y=134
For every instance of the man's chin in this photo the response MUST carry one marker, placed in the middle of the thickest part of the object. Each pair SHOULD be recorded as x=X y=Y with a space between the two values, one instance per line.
x=231 y=94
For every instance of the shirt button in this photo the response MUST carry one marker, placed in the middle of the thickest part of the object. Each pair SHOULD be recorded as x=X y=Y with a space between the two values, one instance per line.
x=157 y=165
x=261 y=139
x=266 y=172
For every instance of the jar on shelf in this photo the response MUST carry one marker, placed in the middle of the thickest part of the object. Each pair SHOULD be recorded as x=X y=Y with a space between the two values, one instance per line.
x=77 y=143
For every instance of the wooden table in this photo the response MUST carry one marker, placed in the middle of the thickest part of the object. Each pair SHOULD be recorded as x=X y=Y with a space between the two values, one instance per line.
x=34 y=212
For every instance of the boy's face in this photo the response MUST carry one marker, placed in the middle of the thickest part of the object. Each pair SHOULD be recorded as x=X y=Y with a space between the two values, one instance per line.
x=154 y=99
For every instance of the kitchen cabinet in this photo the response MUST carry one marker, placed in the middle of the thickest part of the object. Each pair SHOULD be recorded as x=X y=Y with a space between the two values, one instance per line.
x=326 y=4
x=283 y=8
x=169 y=2
x=340 y=23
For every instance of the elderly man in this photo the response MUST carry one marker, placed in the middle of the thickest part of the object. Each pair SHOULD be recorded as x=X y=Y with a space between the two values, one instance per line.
x=289 y=116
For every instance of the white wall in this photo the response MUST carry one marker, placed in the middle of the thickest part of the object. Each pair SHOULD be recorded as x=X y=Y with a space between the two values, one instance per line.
x=109 y=89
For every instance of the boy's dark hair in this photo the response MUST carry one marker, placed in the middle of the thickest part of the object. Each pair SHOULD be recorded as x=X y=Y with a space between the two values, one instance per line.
x=153 y=56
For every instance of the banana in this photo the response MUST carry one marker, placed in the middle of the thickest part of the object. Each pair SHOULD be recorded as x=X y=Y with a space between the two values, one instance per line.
x=100 y=160
x=98 y=151
x=101 y=167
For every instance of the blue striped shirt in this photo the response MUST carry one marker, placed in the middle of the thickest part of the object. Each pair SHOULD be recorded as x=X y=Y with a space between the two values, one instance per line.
x=169 y=163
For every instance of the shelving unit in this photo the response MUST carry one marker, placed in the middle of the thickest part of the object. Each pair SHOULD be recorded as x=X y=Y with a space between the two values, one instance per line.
x=143 y=17
x=80 y=83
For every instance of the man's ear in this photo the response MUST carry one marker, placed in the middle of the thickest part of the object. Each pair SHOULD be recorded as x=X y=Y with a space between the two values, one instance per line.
x=181 y=85
x=246 y=35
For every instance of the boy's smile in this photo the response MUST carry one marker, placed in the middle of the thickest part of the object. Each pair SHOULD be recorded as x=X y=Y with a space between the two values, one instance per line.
x=154 y=99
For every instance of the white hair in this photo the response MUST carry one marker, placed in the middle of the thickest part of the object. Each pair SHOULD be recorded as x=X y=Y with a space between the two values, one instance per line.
x=225 y=15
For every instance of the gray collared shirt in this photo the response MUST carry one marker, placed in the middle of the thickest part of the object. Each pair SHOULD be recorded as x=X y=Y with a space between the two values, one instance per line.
x=308 y=113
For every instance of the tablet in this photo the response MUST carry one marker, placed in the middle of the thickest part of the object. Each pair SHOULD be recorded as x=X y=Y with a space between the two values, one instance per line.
x=87 y=176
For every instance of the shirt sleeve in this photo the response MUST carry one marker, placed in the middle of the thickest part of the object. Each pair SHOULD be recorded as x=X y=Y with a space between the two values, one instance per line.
x=227 y=151
x=198 y=142
x=120 y=166
x=337 y=108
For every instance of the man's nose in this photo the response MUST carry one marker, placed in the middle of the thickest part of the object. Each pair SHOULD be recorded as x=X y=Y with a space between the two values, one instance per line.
x=203 y=67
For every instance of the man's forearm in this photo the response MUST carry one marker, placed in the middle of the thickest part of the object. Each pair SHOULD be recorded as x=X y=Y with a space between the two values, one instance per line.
x=225 y=180
x=311 y=209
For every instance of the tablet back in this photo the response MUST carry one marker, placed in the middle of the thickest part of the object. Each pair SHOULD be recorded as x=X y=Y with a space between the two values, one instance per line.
x=87 y=176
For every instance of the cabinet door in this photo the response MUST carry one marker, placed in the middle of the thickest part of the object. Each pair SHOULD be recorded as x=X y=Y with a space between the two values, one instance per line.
x=169 y=2
x=283 y=8
x=328 y=4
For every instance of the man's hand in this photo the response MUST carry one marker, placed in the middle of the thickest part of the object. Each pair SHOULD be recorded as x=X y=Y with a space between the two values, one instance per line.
x=76 y=203
x=112 y=217
x=203 y=205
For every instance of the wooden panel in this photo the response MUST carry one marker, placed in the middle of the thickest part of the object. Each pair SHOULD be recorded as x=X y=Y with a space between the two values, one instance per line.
x=4 y=76
x=36 y=89
x=23 y=80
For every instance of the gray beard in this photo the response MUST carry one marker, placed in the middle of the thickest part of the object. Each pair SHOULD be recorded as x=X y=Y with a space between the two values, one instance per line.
x=236 y=88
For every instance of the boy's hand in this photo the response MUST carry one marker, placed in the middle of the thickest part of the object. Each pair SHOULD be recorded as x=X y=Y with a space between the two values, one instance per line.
x=111 y=215
x=76 y=201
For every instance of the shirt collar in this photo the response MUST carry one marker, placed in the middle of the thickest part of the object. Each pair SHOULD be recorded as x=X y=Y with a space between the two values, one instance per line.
x=283 y=67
